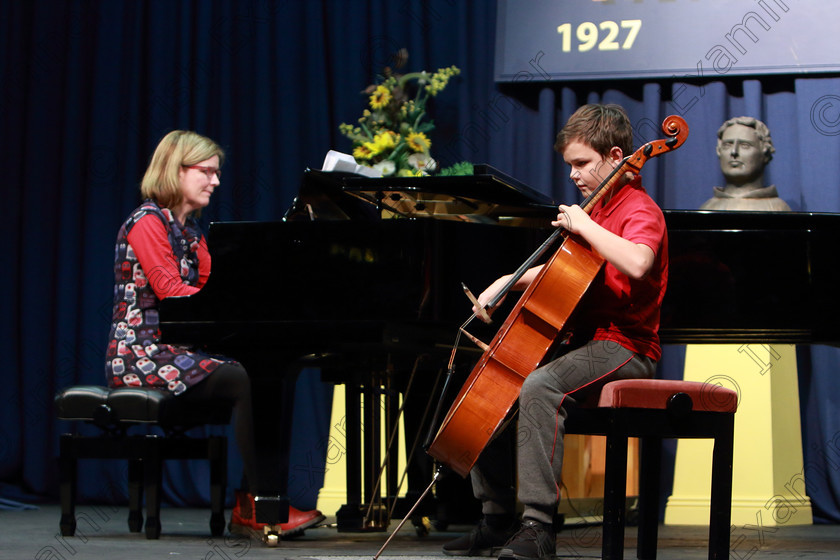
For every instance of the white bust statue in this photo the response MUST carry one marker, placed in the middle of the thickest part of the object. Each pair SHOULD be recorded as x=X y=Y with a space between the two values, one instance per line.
x=744 y=148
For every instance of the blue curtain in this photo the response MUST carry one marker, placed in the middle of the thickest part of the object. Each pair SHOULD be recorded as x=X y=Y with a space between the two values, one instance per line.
x=89 y=87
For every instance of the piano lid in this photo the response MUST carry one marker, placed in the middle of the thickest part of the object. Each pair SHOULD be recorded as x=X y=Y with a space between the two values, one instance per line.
x=764 y=277
x=488 y=196
x=735 y=277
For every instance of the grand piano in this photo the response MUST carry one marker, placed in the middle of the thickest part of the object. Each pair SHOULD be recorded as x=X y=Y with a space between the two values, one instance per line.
x=365 y=275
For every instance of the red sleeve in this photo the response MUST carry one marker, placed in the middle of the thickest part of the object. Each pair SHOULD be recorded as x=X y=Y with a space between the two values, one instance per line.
x=150 y=243
x=203 y=263
x=645 y=225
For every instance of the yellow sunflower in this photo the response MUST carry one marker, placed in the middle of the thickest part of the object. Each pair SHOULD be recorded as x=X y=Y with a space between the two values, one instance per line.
x=361 y=152
x=380 y=97
x=382 y=142
x=418 y=142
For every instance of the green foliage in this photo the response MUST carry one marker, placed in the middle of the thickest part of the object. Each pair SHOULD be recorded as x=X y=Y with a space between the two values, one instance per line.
x=460 y=168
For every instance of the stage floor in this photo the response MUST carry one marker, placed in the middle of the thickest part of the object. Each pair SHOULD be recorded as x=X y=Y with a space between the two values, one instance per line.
x=103 y=533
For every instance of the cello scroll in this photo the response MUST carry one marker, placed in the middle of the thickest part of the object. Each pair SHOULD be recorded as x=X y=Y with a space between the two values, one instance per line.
x=675 y=128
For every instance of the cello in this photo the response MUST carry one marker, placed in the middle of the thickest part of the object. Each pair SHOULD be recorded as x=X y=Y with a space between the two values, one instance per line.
x=535 y=325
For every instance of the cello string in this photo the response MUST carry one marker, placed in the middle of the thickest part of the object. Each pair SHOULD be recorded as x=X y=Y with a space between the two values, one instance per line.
x=596 y=194
x=525 y=266
x=586 y=205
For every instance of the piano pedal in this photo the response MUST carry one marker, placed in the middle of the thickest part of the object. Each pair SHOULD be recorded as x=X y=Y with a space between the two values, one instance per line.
x=271 y=535
x=377 y=518
x=271 y=509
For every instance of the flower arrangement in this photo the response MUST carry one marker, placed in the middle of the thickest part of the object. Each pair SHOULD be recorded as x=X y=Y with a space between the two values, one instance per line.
x=391 y=135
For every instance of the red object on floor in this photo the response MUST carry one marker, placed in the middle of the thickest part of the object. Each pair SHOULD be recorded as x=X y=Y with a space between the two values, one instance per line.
x=243 y=518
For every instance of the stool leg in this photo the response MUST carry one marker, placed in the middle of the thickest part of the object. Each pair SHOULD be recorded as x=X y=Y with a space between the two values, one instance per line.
x=649 y=467
x=152 y=467
x=67 y=486
x=615 y=490
x=721 y=501
x=135 y=495
x=217 y=453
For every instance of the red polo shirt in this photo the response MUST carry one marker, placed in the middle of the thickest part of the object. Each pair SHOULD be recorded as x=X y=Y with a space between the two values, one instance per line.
x=616 y=307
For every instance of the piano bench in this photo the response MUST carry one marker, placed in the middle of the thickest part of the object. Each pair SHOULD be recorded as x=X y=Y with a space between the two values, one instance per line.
x=654 y=409
x=114 y=412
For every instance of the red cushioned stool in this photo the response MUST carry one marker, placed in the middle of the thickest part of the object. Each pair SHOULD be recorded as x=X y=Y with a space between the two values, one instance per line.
x=651 y=410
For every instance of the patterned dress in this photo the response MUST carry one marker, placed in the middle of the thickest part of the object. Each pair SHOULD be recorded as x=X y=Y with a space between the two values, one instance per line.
x=171 y=266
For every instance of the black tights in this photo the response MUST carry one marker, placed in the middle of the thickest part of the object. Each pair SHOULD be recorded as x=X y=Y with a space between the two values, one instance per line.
x=230 y=381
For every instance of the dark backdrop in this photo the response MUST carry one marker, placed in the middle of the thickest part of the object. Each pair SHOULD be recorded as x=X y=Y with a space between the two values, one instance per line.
x=89 y=87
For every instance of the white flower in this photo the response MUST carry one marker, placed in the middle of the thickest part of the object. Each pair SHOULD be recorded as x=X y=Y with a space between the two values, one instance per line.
x=386 y=167
x=423 y=162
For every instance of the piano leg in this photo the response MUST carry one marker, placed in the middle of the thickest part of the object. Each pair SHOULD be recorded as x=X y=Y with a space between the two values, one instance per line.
x=273 y=405
x=350 y=516
x=374 y=484
x=364 y=510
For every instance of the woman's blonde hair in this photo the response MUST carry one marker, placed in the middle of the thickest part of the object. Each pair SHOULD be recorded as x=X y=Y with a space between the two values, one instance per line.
x=178 y=148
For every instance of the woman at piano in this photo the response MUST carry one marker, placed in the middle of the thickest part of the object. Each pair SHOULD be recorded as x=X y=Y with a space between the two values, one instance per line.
x=614 y=336
x=161 y=252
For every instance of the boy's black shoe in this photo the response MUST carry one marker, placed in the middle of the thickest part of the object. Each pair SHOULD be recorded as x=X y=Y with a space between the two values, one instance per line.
x=534 y=541
x=480 y=541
